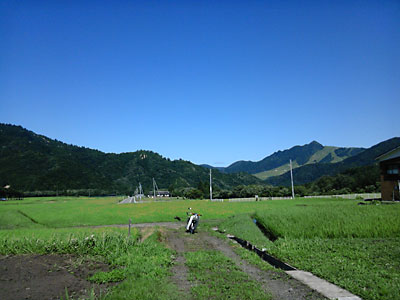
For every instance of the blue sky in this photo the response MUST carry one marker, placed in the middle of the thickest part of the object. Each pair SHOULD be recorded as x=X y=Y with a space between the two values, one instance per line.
x=206 y=81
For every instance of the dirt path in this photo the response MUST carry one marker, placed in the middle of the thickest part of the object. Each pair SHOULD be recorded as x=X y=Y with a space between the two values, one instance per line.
x=279 y=284
x=179 y=270
x=174 y=225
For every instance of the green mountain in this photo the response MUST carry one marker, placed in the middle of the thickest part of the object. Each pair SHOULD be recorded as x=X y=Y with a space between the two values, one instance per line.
x=33 y=162
x=278 y=163
x=311 y=172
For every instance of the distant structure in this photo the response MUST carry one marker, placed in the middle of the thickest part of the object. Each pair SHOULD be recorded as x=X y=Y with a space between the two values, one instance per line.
x=389 y=164
x=139 y=192
x=160 y=193
x=157 y=192
x=210 y=186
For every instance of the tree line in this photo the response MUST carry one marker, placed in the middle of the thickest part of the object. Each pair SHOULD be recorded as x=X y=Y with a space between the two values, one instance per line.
x=356 y=180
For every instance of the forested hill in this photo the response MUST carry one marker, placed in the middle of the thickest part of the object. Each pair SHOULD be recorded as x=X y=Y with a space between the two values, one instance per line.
x=278 y=162
x=33 y=162
x=311 y=172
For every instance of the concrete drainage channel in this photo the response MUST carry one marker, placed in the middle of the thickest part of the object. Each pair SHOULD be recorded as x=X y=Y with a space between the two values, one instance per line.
x=322 y=286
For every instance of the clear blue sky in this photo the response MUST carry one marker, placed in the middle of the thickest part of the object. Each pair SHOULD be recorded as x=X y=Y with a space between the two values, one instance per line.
x=206 y=81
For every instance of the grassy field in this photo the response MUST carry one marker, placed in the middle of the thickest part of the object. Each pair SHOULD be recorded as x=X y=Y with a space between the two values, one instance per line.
x=356 y=247
x=57 y=212
x=48 y=226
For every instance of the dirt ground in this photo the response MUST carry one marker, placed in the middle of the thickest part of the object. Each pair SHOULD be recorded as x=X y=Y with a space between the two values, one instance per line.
x=47 y=276
x=279 y=284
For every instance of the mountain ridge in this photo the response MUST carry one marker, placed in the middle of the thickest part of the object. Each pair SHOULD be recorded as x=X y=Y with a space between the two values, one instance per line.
x=278 y=162
x=31 y=161
x=311 y=172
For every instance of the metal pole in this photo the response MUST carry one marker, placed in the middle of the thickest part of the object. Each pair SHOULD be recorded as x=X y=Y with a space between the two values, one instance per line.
x=154 y=189
x=210 y=187
x=291 y=176
x=129 y=231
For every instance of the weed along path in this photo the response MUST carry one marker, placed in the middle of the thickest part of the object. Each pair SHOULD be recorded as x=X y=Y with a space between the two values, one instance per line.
x=209 y=268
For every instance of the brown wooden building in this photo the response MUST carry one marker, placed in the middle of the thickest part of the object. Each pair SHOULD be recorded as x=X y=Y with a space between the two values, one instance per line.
x=389 y=164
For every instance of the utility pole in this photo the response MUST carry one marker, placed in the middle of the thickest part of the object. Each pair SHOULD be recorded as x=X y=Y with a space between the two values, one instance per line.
x=154 y=189
x=210 y=187
x=291 y=176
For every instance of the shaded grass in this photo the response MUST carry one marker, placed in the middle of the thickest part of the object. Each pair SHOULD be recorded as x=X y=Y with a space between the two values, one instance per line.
x=217 y=277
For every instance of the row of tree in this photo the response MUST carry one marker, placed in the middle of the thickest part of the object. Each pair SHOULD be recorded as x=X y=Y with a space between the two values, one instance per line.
x=9 y=193
x=357 y=180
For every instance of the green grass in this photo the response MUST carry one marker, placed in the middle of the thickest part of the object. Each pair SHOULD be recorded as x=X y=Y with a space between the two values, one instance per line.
x=332 y=220
x=242 y=226
x=277 y=171
x=14 y=218
x=356 y=247
x=319 y=155
x=316 y=157
x=216 y=277
x=369 y=267
x=58 y=212
x=144 y=266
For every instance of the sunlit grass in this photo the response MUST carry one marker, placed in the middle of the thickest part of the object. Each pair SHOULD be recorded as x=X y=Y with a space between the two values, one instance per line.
x=333 y=220
x=215 y=276
x=83 y=211
x=356 y=247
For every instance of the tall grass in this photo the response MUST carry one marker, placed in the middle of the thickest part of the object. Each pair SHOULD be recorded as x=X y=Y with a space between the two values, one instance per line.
x=108 y=243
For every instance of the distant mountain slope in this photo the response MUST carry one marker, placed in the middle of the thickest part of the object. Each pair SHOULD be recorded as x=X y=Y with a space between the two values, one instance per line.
x=278 y=163
x=32 y=162
x=311 y=172
x=221 y=169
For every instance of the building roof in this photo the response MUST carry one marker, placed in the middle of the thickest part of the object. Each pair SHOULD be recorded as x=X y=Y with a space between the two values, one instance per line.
x=394 y=153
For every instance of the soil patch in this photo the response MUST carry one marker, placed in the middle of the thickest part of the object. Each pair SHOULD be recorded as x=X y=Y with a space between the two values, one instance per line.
x=48 y=276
